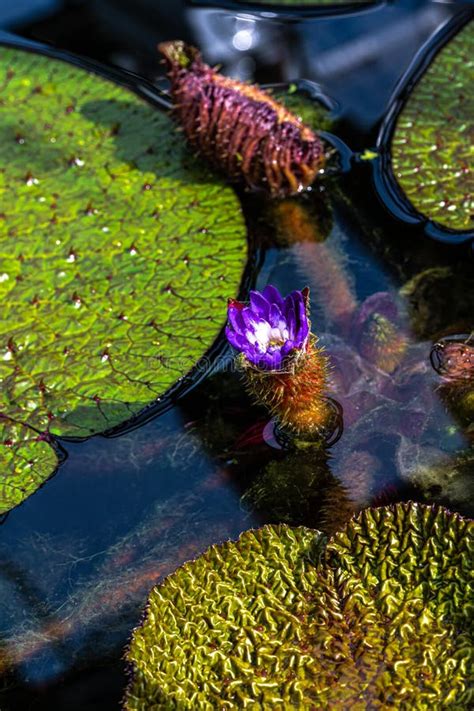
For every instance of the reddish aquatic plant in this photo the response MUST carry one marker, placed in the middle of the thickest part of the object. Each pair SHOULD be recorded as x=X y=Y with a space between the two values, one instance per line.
x=239 y=127
x=454 y=359
x=380 y=338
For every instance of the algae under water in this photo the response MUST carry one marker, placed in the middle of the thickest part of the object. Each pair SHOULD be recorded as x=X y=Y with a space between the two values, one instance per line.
x=79 y=557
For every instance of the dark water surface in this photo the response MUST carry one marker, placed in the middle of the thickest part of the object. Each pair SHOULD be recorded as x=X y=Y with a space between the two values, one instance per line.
x=78 y=558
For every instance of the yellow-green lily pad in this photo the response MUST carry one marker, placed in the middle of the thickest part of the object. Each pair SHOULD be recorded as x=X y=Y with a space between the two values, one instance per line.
x=26 y=461
x=118 y=251
x=379 y=616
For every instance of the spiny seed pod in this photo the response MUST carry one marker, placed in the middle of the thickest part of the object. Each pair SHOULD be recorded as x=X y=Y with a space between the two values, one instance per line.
x=240 y=128
x=295 y=398
x=284 y=369
x=453 y=359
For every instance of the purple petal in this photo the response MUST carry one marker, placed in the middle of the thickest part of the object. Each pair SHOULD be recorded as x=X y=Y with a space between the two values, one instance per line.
x=301 y=336
x=270 y=361
x=251 y=353
x=235 y=319
x=272 y=295
x=289 y=303
x=257 y=330
x=287 y=348
x=291 y=315
x=251 y=320
x=274 y=316
x=289 y=306
x=259 y=304
x=295 y=302
x=235 y=339
x=291 y=323
x=301 y=333
x=252 y=356
x=250 y=327
x=302 y=325
x=298 y=300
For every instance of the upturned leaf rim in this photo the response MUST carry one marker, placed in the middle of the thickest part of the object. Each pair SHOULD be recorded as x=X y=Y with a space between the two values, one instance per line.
x=386 y=185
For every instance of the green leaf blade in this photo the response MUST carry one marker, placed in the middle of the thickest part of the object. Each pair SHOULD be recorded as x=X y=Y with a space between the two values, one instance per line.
x=118 y=250
x=108 y=225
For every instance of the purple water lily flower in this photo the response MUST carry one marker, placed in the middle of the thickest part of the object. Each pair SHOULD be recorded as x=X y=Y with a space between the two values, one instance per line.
x=270 y=329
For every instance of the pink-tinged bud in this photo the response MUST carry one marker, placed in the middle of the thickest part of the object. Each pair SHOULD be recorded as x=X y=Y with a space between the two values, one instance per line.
x=240 y=128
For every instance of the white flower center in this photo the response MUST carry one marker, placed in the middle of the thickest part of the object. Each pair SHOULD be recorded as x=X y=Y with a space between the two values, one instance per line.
x=265 y=337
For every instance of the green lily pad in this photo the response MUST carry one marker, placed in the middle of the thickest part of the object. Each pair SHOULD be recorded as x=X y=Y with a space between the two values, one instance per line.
x=379 y=617
x=25 y=461
x=433 y=143
x=118 y=249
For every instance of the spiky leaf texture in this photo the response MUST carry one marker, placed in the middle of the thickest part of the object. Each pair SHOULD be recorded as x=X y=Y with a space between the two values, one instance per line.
x=433 y=144
x=379 y=618
x=117 y=251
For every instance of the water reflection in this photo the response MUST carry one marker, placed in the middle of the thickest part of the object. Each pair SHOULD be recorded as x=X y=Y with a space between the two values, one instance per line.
x=301 y=490
x=121 y=515
x=375 y=46
x=372 y=46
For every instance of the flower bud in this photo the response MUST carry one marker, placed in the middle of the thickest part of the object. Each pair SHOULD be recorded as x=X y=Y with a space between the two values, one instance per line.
x=240 y=128
x=284 y=369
